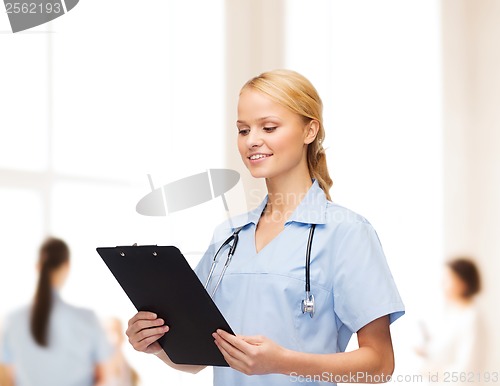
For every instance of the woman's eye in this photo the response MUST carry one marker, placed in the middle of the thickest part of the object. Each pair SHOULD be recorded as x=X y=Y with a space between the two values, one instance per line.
x=243 y=131
x=269 y=129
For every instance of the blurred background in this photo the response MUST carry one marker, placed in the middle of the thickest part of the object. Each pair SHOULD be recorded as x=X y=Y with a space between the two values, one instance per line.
x=95 y=100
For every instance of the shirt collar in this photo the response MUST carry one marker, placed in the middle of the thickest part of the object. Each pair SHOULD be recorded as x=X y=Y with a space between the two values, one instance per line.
x=311 y=210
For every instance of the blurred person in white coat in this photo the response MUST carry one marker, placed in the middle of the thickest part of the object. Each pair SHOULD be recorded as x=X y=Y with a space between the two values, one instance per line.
x=451 y=348
x=50 y=342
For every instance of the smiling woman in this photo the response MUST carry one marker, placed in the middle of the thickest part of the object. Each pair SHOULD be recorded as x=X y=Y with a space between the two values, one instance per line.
x=349 y=289
x=284 y=105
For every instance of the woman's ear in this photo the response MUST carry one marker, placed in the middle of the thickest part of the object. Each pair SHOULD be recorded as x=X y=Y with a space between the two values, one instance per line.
x=312 y=129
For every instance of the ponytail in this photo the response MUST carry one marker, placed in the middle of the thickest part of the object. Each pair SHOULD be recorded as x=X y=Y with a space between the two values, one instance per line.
x=318 y=168
x=53 y=254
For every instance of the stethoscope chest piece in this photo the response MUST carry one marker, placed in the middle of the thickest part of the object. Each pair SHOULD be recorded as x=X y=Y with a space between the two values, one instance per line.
x=308 y=304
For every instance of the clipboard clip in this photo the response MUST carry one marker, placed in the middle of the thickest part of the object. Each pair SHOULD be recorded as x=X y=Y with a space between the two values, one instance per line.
x=135 y=245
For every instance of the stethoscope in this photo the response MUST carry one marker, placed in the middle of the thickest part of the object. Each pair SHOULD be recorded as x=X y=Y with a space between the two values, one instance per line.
x=307 y=304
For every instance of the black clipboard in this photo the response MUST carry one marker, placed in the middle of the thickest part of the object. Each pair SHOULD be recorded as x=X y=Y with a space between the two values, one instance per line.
x=160 y=280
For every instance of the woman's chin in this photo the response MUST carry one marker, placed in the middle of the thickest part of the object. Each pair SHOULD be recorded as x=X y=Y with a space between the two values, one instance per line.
x=257 y=174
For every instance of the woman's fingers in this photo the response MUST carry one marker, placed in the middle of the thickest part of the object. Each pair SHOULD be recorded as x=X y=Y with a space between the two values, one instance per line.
x=233 y=346
x=149 y=345
x=234 y=362
x=142 y=315
x=143 y=339
x=144 y=329
x=255 y=340
x=235 y=341
x=249 y=354
x=228 y=357
x=229 y=348
x=146 y=333
x=144 y=324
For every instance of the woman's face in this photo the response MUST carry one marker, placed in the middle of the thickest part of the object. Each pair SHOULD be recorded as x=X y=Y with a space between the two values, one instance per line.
x=454 y=287
x=272 y=140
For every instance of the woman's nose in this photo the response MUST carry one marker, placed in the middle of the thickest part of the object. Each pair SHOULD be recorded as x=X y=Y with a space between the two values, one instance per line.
x=254 y=138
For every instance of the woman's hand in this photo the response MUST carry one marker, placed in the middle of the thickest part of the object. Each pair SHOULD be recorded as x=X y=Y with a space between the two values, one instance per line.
x=250 y=354
x=143 y=331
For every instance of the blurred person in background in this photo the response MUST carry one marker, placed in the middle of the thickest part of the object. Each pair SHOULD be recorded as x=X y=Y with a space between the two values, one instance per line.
x=50 y=342
x=119 y=372
x=453 y=347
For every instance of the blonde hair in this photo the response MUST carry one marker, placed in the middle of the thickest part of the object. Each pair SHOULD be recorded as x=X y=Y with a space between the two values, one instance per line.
x=296 y=93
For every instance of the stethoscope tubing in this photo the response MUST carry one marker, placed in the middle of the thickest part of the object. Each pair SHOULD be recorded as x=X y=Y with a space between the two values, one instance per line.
x=309 y=300
x=234 y=237
x=308 y=258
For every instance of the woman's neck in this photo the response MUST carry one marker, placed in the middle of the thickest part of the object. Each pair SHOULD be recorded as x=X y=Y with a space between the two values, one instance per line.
x=285 y=193
x=461 y=302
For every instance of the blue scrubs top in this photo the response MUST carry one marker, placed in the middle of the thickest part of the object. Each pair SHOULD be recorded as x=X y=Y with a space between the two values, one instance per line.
x=261 y=293
x=77 y=343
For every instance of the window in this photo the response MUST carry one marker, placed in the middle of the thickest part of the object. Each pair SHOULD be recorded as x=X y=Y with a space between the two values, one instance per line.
x=378 y=71
x=96 y=100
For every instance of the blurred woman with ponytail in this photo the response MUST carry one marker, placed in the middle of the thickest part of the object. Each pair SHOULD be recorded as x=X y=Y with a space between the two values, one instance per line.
x=51 y=342
x=280 y=138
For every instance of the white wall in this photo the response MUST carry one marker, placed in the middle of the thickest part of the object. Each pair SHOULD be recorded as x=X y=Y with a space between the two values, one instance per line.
x=254 y=44
x=471 y=68
x=89 y=104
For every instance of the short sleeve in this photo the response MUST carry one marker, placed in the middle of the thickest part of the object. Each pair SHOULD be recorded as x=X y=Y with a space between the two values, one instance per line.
x=364 y=288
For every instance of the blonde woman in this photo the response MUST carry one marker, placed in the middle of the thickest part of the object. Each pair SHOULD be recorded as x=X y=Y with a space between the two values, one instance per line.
x=281 y=338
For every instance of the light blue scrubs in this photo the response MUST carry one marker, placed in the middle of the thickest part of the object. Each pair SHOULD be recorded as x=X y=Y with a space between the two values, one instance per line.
x=76 y=344
x=261 y=293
